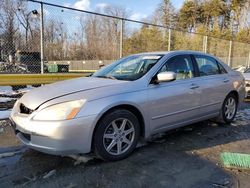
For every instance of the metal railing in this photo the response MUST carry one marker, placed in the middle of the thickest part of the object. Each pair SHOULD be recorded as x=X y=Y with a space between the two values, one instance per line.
x=50 y=38
x=34 y=79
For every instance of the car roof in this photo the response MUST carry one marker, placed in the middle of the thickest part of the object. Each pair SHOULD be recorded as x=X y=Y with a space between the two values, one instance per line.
x=180 y=52
x=177 y=52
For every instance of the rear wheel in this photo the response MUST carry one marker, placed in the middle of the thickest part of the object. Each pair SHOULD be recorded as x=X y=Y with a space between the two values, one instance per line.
x=116 y=135
x=229 y=109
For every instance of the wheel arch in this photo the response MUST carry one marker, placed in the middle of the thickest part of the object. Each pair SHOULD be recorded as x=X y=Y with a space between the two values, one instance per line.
x=235 y=93
x=128 y=107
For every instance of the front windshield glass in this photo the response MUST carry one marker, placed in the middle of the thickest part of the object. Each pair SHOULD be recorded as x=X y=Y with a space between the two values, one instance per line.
x=129 y=68
x=247 y=70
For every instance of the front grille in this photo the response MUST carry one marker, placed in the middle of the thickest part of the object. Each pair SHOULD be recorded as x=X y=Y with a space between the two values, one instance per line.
x=26 y=136
x=24 y=109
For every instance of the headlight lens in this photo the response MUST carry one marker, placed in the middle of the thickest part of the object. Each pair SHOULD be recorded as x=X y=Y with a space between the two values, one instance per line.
x=247 y=83
x=61 y=111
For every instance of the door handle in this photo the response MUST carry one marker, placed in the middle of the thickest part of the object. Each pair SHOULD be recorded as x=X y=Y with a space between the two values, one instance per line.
x=194 y=86
x=225 y=80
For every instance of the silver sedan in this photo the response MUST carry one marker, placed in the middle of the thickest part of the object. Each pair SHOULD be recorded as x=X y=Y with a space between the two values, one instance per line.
x=135 y=97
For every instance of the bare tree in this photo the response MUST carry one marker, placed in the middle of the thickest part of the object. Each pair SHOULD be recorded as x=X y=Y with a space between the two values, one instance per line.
x=103 y=34
x=7 y=29
x=245 y=14
x=25 y=18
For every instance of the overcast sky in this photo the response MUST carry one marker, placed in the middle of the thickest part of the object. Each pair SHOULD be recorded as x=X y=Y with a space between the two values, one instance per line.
x=139 y=9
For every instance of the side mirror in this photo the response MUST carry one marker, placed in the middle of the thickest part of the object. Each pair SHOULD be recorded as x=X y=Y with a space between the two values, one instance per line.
x=166 y=76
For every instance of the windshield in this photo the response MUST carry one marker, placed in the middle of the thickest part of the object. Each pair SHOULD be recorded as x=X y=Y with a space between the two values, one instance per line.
x=129 y=68
x=247 y=70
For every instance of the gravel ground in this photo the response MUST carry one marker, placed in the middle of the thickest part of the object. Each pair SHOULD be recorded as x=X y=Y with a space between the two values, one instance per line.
x=187 y=157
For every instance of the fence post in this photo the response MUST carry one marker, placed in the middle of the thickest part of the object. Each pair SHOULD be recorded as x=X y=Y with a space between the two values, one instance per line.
x=229 y=62
x=121 y=37
x=205 y=44
x=248 y=63
x=42 y=37
x=169 y=39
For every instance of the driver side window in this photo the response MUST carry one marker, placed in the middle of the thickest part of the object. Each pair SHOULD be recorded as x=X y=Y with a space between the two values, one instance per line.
x=181 y=65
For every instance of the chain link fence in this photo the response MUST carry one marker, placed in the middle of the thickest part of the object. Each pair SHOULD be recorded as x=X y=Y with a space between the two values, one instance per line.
x=37 y=37
x=19 y=37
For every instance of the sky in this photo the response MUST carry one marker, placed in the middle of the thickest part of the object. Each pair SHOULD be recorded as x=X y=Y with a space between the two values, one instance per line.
x=138 y=9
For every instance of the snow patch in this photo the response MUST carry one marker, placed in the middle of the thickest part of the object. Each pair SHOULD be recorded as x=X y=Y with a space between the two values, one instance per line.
x=49 y=174
x=5 y=114
x=243 y=115
x=5 y=89
x=6 y=99
x=81 y=159
x=9 y=154
x=27 y=89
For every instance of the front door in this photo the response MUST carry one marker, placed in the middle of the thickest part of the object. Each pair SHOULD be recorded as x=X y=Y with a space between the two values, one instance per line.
x=173 y=103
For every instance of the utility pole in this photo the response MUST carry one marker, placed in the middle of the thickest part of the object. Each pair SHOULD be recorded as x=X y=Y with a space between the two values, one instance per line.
x=169 y=39
x=121 y=37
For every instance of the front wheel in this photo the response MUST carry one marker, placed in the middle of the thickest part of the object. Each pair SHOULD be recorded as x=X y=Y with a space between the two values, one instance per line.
x=229 y=109
x=116 y=135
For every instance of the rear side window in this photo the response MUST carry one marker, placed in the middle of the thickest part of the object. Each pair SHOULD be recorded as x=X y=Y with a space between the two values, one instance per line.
x=207 y=65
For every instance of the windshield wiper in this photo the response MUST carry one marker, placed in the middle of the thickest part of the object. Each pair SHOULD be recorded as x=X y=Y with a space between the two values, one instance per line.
x=109 y=77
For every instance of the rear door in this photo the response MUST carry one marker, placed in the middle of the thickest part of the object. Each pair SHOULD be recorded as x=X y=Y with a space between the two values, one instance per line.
x=214 y=83
x=176 y=102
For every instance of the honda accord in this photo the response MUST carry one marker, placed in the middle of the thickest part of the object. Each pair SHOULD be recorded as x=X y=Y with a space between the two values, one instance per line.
x=135 y=97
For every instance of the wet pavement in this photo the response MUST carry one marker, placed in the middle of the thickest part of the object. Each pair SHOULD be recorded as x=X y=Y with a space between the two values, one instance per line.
x=187 y=157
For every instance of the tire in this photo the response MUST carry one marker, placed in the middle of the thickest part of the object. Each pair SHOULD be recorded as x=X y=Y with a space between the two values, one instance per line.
x=229 y=109
x=116 y=135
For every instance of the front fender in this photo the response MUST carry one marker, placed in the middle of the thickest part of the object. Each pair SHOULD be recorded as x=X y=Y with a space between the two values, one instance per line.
x=98 y=107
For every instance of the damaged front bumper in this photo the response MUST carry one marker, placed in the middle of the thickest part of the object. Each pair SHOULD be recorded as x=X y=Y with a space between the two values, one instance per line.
x=55 y=137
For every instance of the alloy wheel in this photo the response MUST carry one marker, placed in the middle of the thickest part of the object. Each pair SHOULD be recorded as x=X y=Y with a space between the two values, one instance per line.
x=230 y=108
x=118 y=136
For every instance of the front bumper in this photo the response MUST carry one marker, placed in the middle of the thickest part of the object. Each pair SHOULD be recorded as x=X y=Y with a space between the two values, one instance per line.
x=55 y=137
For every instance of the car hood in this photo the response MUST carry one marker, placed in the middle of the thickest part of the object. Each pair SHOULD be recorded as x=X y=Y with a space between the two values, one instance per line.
x=36 y=97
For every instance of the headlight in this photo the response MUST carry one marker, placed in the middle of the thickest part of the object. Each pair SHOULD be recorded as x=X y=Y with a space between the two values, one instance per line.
x=61 y=111
x=247 y=83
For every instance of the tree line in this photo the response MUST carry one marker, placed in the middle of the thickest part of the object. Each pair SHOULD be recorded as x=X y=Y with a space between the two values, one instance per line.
x=221 y=20
x=92 y=37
